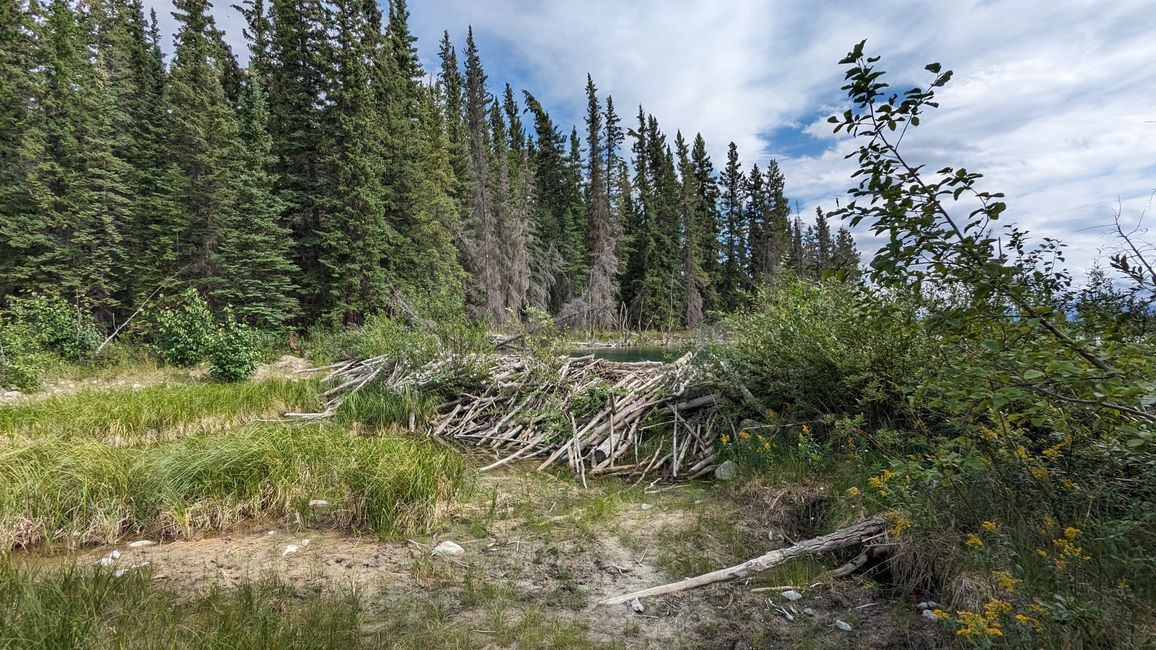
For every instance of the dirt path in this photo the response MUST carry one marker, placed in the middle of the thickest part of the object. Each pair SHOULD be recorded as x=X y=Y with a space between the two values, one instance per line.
x=539 y=553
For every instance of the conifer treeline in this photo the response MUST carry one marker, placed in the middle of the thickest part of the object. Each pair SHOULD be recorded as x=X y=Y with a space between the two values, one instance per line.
x=332 y=175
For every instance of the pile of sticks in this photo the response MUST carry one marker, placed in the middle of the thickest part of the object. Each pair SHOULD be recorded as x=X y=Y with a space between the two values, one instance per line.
x=596 y=416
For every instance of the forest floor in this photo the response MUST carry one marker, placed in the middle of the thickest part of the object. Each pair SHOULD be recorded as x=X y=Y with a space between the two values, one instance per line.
x=540 y=551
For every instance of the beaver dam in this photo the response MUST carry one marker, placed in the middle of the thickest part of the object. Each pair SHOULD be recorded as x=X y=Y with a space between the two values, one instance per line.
x=594 y=415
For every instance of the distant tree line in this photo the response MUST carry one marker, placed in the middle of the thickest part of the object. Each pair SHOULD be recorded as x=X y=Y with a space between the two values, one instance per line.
x=333 y=175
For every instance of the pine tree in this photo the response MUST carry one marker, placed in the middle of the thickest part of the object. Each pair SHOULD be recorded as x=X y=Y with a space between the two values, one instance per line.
x=354 y=240
x=689 y=210
x=844 y=255
x=757 y=231
x=298 y=94
x=251 y=255
x=820 y=255
x=596 y=307
x=203 y=135
x=78 y=184
x=779 y=230
x=707 y=220
x=22 y=237
x=734 y=236
x=557 y=196
x=481 y=243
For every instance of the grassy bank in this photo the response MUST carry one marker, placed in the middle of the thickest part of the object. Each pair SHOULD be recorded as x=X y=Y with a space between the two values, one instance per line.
x=163 y=411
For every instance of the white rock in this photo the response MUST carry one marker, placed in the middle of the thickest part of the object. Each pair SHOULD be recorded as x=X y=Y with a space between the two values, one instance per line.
x=727 y=471
x=646 y=506
x=12 y=394
x=105 y=561
x=931 y=604
x=791 y=594
x=318 y=503
x=809 y=611
x=114 y=555
x=292 y=548
x=137 y=386
x=142 y=543
x=449 y=549
x=843 y=625
x=930 y=615
x=636 y=605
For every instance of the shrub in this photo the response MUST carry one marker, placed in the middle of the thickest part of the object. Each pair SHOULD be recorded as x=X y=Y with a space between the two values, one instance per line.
x=50 y=325
x=233 y=352
x=21 y=364
x=183 y=333
x=811 y=349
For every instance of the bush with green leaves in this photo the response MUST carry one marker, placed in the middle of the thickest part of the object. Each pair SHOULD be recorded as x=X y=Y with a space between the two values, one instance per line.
x=1027 y=486
x=21 y=363
x=53 y=326
x=233 y=352
x=183 y=331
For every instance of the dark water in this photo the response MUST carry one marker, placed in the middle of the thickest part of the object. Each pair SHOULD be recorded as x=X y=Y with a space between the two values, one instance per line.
x=631 y=353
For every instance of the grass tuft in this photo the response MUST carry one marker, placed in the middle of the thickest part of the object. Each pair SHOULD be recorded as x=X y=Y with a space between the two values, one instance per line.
x=79 y=491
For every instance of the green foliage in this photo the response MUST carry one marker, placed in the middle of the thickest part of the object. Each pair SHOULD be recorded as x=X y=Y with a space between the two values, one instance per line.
x=49 y=324
x=183 y=333
x=154 y=412
x=811 y=348
x=82 y=490
x=1029 y=477
x=233 y=352
x=92 y=607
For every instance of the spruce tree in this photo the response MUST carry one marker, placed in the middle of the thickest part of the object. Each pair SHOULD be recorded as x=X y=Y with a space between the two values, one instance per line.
x=481 y=252
x=844 y=255
x=778 y=237
x=253 y=273
x=757 y=231
x=734 y=236
x=692 y=246
x=707 y=222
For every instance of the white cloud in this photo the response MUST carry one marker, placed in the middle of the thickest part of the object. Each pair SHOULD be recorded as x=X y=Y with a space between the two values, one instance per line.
x=1053 y=100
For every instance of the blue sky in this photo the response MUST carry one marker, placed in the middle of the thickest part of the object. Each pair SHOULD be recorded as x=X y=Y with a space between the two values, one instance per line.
x=1053 y=101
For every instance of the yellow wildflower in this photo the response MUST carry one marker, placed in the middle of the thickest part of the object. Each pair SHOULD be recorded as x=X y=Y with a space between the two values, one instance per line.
x=1039 y=473
x=853 y=491
x=725 y=439
x=991 y=526
x=1021 y=453
x=995 y=609
x=806 y=430
x=1026 y=620
x=899 y=522
x=1007 y=581
x=1053 y=453
x=744 y=435
x=1071 y=532
x=988 y=434
x=973 y=541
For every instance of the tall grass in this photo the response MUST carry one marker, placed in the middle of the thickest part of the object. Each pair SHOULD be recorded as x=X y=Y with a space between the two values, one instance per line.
x=156 y=412
x=92 y=608
x=80 y=490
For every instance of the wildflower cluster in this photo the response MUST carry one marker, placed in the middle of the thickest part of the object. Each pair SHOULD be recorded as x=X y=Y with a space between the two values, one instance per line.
x=747 y=447
x=1065 y=550
x=879 y=483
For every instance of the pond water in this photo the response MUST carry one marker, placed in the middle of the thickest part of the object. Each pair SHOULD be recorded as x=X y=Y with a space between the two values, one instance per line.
x=631 y=353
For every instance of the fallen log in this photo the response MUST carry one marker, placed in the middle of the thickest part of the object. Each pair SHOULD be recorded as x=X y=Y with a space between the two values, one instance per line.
x=842 y=538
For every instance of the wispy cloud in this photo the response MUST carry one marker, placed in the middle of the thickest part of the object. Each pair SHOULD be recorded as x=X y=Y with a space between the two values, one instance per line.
x=1055 y=102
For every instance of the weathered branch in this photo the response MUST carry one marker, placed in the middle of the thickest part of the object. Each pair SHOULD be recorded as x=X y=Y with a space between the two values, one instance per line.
x=842 y=538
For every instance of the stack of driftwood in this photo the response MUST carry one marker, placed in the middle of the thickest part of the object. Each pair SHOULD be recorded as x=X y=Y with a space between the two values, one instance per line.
x=598 y=417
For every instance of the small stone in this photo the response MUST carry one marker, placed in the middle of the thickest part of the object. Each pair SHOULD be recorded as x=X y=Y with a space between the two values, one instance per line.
x=636 y=605
x=843 y=625
x=12 y=394
x=142 y=543
x=292 y=548
x=105 y=561
x=646 y=506
x=137 y=386
x=449 y=549
x=727 y=471
x=931 y=604
x=318 y=503
x=791 y=594
x=114 y=555
x=809 y=611
x=930 y=615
